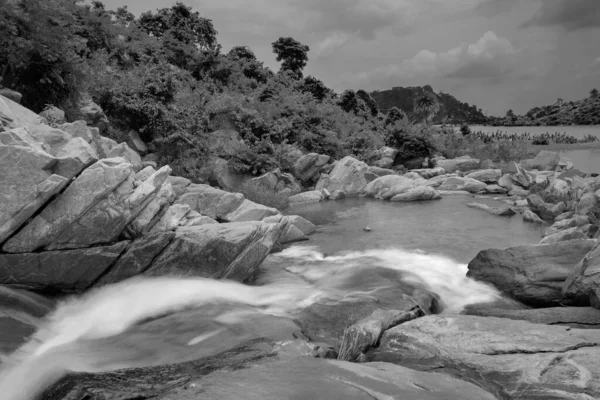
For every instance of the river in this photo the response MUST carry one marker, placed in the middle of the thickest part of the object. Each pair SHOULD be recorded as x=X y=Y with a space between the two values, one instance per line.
x=144 y=322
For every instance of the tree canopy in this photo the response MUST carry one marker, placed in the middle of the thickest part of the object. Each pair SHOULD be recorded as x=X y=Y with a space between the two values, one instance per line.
x=293 y=54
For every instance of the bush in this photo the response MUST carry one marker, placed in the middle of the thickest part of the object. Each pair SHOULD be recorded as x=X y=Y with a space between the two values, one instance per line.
x=453 y=145
x=411 y=141
x=254 y=160
x=263 y=195
x=465 y=130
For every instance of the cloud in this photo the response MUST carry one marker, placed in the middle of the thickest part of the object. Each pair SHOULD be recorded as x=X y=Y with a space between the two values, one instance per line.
x=332 y=43
x=490 y=58
x=492 y=8
x=572 y=15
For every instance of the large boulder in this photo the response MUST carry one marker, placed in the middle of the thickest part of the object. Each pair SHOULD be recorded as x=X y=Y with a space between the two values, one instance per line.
x=544 y=161
x=349 y=175
x=27 y=181
x=463 y=164
x=219 y=251
x=313 y=196
x=486 y=175
x=209 y=201
x=250 y=211
x=533 y=275
x=582 y=286
x=11 y=94
x=388 y=186
x=511 y=359
x=521 y=176
x=88 y=189
x=463 y=184
x=65 y=271
x=307 y=167
x=14 y=115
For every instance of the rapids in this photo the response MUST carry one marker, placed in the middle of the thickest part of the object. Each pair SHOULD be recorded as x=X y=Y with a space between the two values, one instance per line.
x=153 y=321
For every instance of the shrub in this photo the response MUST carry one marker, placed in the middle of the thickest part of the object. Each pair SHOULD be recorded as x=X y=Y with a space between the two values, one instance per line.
x=263 y=195
x=254 y=159
x=465 y=130
x=412 y=141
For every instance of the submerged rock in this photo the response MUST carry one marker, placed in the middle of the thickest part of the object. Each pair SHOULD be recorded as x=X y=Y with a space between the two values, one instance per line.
x=533 y=275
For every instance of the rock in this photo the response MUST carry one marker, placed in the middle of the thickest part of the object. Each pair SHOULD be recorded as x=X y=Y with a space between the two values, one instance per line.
x=557 y=191
x=106 y=145
x=565 y=164
x=89 y=188
x=566 y=223
x=14 y=115
x=307 y=167
x=388 y=152
x=218 y=251
x=544 y=210
x=219 y=173
x=418 y=193
x=69 y=271
x=530 y=216
x=53 y=115
x=463 y=164
x=429 y=173
x=544 y=161
x=412 y=175
x=149 y=216
x=388 y=186
x=384 y=163
x=463 y=184
x=338 y=195
x=179 y=184
x=27 y=182
x=171 y=219
x=564 y=235
x=348 y=176
x=313 y=196
x=533 y=275
x=522 y=177
x=504 y=211
x=518 y=192
x=510 y=359
x=378 y=172
x=198 y=221
x=588 y=203
x=575 y=317
x=106 y=220
x=292 y=234
x=487 y=164
x=268 y=181
x=124 y=151
x=486 y=175
x=85 y=109
x=571 y=174
x=582 y=285
x=249 y=211
x=326 y=194
x=454 y=193
x=136 y=142
x=565 y=215
x=495 y=189
x=11 y=94
x=81 y=130
x=506 y=182
x=209 y=201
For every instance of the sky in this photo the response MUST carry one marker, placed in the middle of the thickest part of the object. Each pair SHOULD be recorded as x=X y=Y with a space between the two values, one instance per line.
x=497 y=54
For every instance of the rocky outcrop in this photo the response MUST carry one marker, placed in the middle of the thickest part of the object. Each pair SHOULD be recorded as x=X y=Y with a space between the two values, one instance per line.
x=349 y=175
x=85 y=109
x=533 y=275
x=510 y=359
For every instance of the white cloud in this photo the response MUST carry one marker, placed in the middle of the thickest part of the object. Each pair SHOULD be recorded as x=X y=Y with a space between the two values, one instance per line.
x=331 y=43
x=490 y=57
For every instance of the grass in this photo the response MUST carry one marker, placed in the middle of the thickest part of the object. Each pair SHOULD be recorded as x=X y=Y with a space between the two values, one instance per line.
x=452 y=146
x=263 y=195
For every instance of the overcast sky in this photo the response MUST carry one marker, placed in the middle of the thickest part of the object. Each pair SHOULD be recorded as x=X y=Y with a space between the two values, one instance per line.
x=497 y=54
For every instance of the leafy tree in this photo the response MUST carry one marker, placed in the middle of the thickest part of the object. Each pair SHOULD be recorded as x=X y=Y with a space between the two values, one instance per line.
x=594 y=93
x=315 y=87
x=348 y=101
x=428 y=105
x=293 y=54
x=241 y=53
x=510 y=114
x=394 y=115
x=369 y=102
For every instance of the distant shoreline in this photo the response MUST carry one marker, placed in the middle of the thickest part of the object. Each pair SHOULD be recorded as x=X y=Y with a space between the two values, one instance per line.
x=566 y=146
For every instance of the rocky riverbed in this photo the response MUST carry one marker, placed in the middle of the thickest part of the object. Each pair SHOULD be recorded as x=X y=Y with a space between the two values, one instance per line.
x=173 y=300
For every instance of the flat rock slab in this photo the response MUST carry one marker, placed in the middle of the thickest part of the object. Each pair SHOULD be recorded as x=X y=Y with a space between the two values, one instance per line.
x=575 y=317
x=511 y=359
x=65 y=271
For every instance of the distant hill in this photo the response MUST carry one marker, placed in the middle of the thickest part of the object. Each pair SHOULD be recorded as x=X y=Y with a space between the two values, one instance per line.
x=581 y=112
x=451 y=109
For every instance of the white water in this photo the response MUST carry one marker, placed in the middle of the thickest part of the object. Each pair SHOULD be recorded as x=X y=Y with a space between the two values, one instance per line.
x=69 y=339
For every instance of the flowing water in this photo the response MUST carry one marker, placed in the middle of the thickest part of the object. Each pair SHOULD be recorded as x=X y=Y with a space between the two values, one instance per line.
x=153 y=321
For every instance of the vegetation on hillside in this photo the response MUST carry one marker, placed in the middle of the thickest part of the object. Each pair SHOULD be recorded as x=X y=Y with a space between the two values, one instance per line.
x=165 y=75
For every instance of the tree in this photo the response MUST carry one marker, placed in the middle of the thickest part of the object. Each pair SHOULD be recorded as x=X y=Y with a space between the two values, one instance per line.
x=369 y=102
x=181 y=24
x=315 y=87
x=428 y=105
x=510 y=114
x=241 y=53
x=394 y=115
x=293 y=54
x=348 y=101
x=594 y=93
